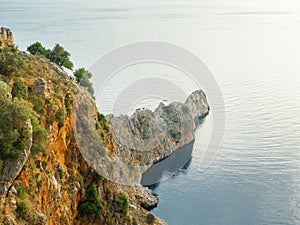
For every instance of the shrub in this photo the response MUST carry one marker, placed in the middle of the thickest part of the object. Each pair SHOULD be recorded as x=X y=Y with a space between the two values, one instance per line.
x=22 y=192
x=13 y=132
x=93 y=205
x=122 y=204
x=61 y=173
x=19 y=90
x=68 y=103
x=87 y=208
x=39 y=136
x=83 y=77
x=61 y=116
x=150 y=218
x=23 y=210
x=38 y=104
x=102 y=122
x=11 y=61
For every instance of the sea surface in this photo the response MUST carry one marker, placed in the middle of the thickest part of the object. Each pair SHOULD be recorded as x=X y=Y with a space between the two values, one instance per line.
x=253 y=50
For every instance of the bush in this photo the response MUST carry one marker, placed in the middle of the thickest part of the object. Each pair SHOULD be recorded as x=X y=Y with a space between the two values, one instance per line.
x=23 y=210
x=22 y=192
x=13 y=132
x=11 y=61
x=93 y=205
x=68 y=103
x=88 y=208
x=122 y=204
x=83 y=77
x=19 y=89
x=39 y=137
x=61 y=116
x=38 y=104
x=61 y=173
x=150 y=218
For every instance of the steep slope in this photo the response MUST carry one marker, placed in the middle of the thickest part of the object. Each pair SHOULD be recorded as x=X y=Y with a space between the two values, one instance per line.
x=44 y=178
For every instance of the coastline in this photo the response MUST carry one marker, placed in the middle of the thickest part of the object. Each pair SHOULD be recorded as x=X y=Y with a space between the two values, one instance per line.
x=170 y=164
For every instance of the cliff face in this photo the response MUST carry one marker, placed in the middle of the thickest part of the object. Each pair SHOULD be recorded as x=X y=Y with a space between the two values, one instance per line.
x=44 y=178
x=63 y=162
x=150 y=136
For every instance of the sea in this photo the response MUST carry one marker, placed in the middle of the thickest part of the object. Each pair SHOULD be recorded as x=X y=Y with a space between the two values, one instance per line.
x=252 y=49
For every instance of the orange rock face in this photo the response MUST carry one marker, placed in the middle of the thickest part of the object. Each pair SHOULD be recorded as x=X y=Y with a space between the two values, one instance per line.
x=6 y=36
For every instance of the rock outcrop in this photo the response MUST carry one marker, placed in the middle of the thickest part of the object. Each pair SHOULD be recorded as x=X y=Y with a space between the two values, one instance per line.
x=78 y=166
x=39 y=86
x=50 y=182
x=6 y=36
x=150 y=136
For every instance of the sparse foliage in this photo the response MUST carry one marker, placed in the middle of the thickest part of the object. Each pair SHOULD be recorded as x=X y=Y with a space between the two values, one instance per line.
x=83 y=77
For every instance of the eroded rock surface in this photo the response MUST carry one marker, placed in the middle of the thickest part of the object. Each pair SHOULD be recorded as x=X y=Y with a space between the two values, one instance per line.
x=150 y=136
x=39 y=86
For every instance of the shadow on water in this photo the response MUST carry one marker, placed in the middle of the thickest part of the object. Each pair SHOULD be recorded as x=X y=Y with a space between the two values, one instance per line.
x=168 y=167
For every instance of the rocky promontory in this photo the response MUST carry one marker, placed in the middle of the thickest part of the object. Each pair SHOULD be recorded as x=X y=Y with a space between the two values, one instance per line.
x=62 y=161
x=150 y=136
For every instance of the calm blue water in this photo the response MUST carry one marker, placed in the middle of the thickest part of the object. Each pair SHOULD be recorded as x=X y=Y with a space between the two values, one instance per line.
x=252 y=48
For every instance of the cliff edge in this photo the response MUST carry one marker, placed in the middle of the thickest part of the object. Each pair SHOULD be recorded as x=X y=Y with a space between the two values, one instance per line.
x=44 y=178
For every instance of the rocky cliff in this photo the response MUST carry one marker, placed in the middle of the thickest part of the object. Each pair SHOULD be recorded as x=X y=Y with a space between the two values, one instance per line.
x=44 y=178
x=150 y=136
x=63 y=162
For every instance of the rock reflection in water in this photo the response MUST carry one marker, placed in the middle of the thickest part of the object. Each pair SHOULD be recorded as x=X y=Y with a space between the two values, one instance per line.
x=168 y=166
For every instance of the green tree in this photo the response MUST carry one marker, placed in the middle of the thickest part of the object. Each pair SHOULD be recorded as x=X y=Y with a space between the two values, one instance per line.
x=82 y=72
x=83 y=77
x=37 y=48
x=13 y=132
x=60 y=56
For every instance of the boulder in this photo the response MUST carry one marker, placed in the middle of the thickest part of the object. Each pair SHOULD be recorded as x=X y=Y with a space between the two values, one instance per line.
x=160 y=132
x=39 y=86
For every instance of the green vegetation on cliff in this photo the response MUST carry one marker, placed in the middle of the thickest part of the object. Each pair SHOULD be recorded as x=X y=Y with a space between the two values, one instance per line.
x=83 y=77
x=35 y=93
x=61 y=57
x=13 y=132
x=57 y=55
x=93 y=205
